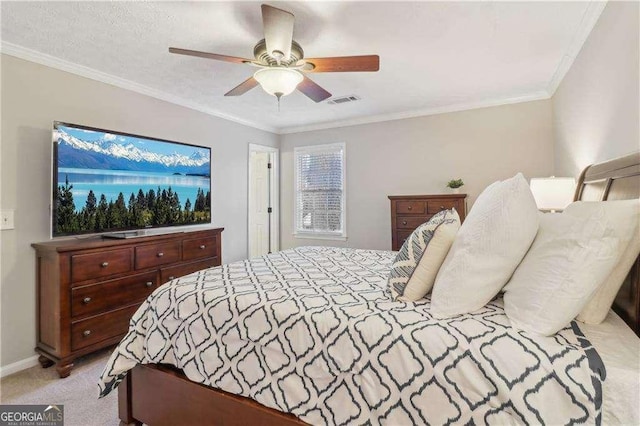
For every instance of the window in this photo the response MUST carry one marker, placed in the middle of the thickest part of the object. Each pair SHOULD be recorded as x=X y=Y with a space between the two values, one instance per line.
x=320 y=191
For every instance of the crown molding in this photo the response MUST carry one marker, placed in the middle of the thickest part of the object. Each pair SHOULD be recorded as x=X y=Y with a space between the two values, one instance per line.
x=535 y=96
x=589 y=19
x=93 y=74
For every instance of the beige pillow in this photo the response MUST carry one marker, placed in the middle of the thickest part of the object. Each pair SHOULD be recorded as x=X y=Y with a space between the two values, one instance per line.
x=418 y=261
x=625 y=214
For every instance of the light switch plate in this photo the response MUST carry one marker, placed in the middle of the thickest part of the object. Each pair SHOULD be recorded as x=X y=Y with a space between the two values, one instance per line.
x=6 y=219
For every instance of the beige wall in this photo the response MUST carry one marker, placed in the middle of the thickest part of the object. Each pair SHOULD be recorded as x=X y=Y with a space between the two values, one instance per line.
x=595 y=109
x=592 y=117
x=32 y=97
x=418 y=156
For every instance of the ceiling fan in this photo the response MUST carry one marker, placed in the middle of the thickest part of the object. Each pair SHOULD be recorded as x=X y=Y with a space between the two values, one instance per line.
x=281 y=62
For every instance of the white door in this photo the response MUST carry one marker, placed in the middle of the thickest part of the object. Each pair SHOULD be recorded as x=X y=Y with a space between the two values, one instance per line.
x=259 y=232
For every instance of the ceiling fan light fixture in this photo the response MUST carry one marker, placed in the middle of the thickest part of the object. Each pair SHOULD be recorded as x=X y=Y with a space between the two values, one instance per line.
x=278 y=81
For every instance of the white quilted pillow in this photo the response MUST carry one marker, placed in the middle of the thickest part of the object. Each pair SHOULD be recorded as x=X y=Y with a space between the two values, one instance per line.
x=489 y=246
x=569 y=258
x=624 y=216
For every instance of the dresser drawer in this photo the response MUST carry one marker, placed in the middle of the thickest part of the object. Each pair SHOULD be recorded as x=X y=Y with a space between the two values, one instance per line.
x=198 y=248
x=411 y=207
x=435 y=206
x=172 y=272
x=157 y=254
x=112 y=294
x=410 y=222
x=98 y=265
x=101 y=327
x=401 y=236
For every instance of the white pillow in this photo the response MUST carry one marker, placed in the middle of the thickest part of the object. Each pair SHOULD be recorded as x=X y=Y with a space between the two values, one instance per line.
x=418 y=261
x=569 y=258
x=489 y=246
x=624 y=215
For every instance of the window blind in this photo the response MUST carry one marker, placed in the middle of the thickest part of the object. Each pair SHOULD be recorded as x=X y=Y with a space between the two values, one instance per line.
x=320 y=189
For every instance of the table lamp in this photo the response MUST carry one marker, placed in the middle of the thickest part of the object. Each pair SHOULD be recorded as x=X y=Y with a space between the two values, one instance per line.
x=553 y=193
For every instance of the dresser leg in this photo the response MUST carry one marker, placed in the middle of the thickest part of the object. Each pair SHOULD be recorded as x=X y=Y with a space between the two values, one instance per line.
x=45 y=362
x=63 y=367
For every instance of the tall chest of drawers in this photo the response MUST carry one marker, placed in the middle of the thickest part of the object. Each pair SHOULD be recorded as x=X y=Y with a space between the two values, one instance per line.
x=410 y=211
x=88 y=288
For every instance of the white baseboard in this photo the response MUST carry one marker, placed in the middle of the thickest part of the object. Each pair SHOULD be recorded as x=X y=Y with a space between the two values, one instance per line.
x=23 y=364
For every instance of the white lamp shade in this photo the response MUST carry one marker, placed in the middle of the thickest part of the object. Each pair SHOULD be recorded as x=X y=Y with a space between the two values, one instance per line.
x=278 y=81
x=553 y=193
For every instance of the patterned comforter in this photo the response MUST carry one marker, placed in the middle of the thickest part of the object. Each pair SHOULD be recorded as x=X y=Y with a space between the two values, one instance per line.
x=313 y=331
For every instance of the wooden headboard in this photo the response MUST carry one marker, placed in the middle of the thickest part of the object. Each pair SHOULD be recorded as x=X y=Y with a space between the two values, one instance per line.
x=617 y=179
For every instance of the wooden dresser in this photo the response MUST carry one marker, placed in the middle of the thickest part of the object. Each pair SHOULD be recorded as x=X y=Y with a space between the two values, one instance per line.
x=410 y=211
x=88 y=288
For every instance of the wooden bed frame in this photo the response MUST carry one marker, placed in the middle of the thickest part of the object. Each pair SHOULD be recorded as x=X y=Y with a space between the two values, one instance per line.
x=160 y=395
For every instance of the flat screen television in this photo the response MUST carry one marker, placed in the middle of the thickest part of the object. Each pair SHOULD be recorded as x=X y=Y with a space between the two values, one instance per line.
x=112 y=182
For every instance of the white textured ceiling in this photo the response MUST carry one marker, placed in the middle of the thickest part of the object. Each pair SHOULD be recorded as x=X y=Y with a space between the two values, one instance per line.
x=433 y=55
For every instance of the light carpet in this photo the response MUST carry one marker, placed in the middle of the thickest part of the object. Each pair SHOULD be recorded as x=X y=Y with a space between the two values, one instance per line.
x=78 y=392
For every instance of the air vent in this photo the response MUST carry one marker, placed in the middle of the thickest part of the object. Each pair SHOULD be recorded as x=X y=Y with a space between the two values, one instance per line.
x=344 y=99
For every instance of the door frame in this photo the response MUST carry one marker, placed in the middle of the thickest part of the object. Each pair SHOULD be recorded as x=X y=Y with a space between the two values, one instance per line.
x=274 y=201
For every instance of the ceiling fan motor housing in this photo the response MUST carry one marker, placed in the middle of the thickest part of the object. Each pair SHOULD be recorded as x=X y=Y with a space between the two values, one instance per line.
x=262 y=56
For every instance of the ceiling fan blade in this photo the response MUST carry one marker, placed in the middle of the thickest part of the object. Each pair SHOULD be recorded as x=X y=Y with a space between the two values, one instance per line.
x=343 y=64
x=278 y=31
x=208 y=55
x=312 y=90
x=243 y=87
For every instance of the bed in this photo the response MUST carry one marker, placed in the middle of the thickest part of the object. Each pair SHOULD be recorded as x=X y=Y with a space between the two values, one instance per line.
x=322 y=308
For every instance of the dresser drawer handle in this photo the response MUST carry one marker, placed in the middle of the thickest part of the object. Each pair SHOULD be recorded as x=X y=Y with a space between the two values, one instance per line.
x=410 y=208
x=202 y=247
x=442 y=207
x=86 y=300
x=104 y=264
x=404 y=222
x=149 y=284
x=160 y=254
x=86 y=333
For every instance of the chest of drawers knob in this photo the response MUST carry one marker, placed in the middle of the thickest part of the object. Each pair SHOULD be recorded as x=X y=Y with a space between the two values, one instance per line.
x=202 y=247
x=410 y=208
x=404 y=222
x=104 y=264
x=86 y=300
x=160 y=254
x=149 y=284
x=171 y=278
x=86 y=333
x=442 y=207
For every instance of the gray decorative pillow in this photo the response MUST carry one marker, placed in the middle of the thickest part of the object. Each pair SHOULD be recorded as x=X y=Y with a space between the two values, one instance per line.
x=416 y=266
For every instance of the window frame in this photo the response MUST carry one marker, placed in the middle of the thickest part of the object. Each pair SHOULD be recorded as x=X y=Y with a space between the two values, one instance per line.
x=318 y=235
